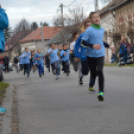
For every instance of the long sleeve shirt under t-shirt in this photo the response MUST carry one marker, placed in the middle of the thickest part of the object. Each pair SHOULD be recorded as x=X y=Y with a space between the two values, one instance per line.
x=94 y=36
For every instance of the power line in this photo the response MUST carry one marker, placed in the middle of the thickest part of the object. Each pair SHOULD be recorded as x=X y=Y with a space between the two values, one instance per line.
x=70 y=4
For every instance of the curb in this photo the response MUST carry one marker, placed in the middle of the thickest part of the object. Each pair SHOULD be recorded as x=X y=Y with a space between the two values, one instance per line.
x=6 y=119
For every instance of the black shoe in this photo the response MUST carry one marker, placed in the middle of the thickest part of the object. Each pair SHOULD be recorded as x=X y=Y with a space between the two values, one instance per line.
x=40 y=76
x=28 y=75
x=43 y=73
x=80 y=81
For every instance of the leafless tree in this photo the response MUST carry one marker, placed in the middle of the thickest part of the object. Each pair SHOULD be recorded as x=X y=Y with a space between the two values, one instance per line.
x=21 y=30
x=71 y=20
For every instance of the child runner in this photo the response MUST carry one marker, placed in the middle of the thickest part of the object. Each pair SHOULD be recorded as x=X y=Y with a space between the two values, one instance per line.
x=79 y=53
x=33 y=61
x=54 y=60
x=76 y=65
x=21 y=63
x=27 y=56
x=94 y=35
x=16 y=61
x=40 y=62
x=65 y=59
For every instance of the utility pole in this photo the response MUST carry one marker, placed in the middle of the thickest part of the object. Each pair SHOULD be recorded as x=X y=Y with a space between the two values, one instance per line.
x=96 y=5
x=62 y=36
x=42 y=36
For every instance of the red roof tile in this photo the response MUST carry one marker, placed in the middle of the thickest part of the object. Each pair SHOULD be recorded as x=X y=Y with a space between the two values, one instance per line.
x=48 y=32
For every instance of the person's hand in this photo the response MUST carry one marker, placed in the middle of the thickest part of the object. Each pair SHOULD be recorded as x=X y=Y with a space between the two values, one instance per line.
x=65 y=54
x=112 y=48
x=97 y=46
x=77 y=59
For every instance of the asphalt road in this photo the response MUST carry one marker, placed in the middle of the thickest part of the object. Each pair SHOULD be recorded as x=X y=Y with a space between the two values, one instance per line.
x=49 y=106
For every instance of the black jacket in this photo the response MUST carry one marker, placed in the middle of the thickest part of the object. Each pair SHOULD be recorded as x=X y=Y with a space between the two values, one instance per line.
x=6 y=60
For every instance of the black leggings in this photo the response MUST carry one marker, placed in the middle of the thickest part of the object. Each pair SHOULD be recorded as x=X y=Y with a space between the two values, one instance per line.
x=6 y=67
x=96 y=68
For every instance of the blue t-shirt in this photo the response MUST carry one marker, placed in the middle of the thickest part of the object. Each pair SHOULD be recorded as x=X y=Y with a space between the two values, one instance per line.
x=26 y=57
x=41 y=58
x=66 y=57
x=94 y=36
x=21 y=60
x=53 y=56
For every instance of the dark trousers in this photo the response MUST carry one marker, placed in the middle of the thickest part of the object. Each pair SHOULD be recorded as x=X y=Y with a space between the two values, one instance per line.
x=56 y=68
x=21 y=66
x=6 y=67
x=65 y=65
x=85 y=68
x=27 y=69
x=40 y=69
x=124 y=55
x=96 y=68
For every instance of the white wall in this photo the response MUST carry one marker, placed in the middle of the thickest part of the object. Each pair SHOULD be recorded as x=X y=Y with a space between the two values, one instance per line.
x=108 y=22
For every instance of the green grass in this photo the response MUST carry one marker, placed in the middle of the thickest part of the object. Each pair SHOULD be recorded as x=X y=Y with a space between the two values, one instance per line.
x=116 y=65
x=3 y=87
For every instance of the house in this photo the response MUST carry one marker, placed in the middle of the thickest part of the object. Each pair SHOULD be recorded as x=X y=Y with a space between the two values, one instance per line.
x=34 y=39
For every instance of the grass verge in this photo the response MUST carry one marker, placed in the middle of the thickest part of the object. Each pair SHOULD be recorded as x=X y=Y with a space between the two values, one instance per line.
x=3 y=87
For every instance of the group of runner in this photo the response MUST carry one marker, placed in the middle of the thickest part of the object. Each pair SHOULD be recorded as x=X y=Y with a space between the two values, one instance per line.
x=86 y=53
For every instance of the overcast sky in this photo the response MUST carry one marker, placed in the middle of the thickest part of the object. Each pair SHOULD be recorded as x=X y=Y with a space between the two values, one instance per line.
x=41 y=10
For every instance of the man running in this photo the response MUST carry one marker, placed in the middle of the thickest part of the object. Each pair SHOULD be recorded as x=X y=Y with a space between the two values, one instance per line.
x=16 y=61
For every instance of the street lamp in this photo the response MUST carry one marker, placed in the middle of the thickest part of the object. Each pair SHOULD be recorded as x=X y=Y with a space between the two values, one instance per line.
x=42 y=35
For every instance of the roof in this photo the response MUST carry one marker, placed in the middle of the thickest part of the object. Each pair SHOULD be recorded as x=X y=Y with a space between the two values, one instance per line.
x=48 y=32
x=57 y=39
x=112 y=5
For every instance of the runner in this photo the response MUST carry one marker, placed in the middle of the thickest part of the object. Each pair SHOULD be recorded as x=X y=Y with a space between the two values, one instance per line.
x=76 y=65
x=94 y=35
x=79 y=54
x=47 y=62
x=65 y=59
x=40 y=62
x=54 y=60
x=3 y=25
x=16 y=62
x=33 y=61
x=72 y=56
x=27 y=56
x=6 y=63
x=21 y=62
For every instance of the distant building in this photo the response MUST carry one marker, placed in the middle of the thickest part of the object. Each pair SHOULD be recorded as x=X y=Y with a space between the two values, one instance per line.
x=34 y=39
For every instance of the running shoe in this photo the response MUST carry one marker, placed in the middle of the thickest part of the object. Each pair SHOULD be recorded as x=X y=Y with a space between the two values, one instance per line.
x=2 y=110
x=28 y=75
x=101 y=96
x=91 y=89
x=57 y=77
x=67 y=74
x=80 y=81
x=40 y=75
x=43 y=73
